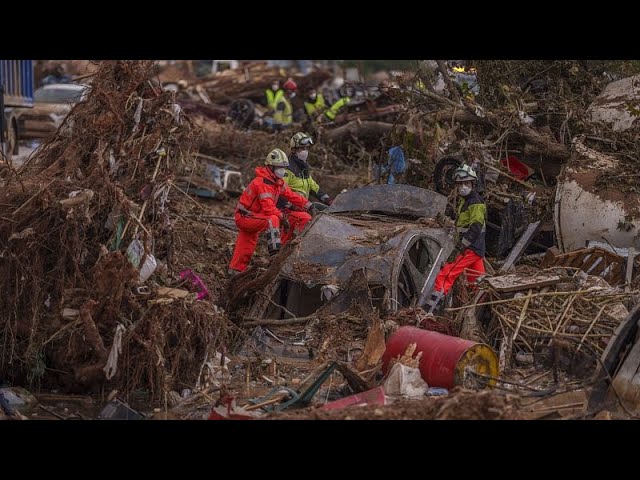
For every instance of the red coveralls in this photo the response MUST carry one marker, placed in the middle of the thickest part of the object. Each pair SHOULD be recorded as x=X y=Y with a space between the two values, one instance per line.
x=468 y=262
x=256 y=207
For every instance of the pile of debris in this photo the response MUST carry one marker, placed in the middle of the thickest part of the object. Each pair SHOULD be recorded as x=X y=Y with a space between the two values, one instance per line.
x=534 y=310
x=251 y=82
x=461 y=404
x=87 y=223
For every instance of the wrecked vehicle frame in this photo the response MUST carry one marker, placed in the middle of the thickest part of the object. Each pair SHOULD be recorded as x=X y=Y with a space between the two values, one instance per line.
x=388 y=237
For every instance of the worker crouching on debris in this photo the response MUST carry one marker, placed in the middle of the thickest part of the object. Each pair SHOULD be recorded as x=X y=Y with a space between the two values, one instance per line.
x=470 y=247
x=256 y=211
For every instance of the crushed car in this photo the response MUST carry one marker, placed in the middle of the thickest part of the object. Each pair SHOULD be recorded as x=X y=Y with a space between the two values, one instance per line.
x=394 y=238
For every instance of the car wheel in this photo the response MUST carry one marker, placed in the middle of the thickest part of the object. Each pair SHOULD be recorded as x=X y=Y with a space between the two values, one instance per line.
x=242 y=112
x=443 y=174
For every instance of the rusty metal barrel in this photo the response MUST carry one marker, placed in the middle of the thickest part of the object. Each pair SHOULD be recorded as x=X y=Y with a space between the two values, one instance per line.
x=446 y=361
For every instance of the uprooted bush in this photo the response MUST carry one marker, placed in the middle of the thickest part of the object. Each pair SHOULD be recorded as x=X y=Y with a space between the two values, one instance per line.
x=70 y=293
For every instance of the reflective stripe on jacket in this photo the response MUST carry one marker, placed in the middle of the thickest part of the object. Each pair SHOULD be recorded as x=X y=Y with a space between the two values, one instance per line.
x=263 y=192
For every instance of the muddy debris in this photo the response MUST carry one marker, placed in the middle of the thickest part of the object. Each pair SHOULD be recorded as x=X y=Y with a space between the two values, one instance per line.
x=459 y=405
x=124 y=144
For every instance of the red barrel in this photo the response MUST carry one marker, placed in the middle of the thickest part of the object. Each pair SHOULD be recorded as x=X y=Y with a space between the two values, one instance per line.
x=444 y=358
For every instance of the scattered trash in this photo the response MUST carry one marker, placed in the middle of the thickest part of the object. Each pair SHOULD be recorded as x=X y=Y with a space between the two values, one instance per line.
x=404 y=381
x=117 y=409
x=17 y=396
x=517 y=168
x=375 y=396
x=436 y=392
x=328 y=292
x=216 y=371
x=135 y=252
x=203 y=292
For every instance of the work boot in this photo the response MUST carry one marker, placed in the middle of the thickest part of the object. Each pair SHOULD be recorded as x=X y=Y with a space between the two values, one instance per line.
x=232 y=272
x=273 y=240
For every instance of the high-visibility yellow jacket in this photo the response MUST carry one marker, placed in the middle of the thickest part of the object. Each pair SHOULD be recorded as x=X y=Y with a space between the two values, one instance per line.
x=283 y=111
x=299 y=179
x=316 y=107
x=273 y=97
x=333 y=109
x=471 y=222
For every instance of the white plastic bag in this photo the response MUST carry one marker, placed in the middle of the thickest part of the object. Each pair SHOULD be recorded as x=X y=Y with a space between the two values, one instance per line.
x=405 y=381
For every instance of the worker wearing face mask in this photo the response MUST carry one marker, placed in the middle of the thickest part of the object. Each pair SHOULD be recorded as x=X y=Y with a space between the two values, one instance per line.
x=298 y=176
x=273 y=95
x=256 y=211
x=314 y=104
x=468 y=255
x=283 y=116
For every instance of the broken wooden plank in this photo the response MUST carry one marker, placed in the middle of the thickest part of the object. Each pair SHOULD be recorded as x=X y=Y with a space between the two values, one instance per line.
x=176 y=293
x=514 y=282
x=224 y=163
x=593 y=260
x=629 y=269
x=84 y=196
x=550 y=257
x=520 y=246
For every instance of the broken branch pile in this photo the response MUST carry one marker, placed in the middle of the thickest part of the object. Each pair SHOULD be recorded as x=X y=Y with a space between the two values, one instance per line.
x=102 y=185
x=581 y=308
x=252 y=81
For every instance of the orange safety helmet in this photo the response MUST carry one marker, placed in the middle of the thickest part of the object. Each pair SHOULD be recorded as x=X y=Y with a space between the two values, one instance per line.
x=290 y=85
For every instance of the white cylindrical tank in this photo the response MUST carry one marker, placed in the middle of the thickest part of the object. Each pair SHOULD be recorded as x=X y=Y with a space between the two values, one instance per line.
x=586 y=211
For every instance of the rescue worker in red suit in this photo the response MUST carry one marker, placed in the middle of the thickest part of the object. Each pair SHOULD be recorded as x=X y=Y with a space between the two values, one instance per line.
x=256 y=211
x=469 y=253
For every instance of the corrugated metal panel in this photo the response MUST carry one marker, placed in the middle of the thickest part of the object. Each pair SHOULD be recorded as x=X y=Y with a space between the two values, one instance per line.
x=16 y=76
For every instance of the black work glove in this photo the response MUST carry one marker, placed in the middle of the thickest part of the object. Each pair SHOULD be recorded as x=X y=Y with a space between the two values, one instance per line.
x=326 y=199
x=285 y=224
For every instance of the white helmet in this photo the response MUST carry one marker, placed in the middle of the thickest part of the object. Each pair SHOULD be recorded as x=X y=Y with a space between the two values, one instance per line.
x=464 y=174
x=277 y=158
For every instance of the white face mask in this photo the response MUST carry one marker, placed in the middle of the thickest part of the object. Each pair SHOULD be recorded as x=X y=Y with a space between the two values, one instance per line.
x=303 y=155
x=464 y=190
x=279 y=172
x=274 y=87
